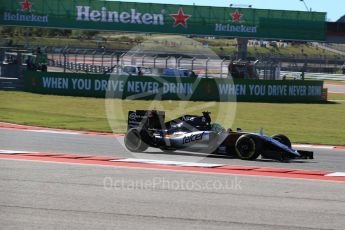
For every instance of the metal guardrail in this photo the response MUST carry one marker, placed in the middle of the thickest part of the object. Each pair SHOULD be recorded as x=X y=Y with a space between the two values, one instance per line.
x=102 y=60
x=93 y=62
x=79 y=67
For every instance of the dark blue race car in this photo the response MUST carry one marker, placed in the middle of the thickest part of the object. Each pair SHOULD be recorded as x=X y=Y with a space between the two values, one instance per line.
x=198 y=134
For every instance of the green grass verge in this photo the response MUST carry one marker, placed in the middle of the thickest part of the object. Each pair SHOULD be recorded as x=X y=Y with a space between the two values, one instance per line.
x=334 y=81
x=303 y=123
x=334 y=96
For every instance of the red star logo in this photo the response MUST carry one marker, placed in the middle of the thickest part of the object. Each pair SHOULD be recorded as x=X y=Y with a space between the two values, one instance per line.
x=180 y=18
x=236 y=16
x=26 y=5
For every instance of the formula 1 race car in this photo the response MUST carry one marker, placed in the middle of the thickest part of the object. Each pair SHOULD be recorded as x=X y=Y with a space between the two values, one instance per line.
x=198 y=134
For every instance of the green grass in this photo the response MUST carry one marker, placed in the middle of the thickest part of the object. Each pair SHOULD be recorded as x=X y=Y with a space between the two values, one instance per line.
x=53 y=111
x=303 y=123
x=334 y=81
x=333 y=96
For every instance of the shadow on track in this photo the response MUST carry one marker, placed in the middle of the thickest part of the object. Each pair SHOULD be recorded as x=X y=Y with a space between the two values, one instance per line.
x=221 y=156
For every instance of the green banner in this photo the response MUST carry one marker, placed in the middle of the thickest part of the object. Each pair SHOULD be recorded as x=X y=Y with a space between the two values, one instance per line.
x=164 y=18
x=171 y=88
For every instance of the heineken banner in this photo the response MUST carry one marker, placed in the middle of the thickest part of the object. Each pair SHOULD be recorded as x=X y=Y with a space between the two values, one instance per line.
x=164 y=18
x=171 y=88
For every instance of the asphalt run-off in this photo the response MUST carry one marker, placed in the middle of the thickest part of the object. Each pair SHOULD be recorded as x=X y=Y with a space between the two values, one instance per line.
x=76 y=179
x=106 y=149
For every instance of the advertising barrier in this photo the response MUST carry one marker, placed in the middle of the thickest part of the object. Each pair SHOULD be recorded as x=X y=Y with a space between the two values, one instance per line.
x=164 y=18
x=171 y=88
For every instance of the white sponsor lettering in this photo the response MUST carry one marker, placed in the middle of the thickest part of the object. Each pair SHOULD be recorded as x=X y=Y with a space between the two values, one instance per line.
x=111 y=85
x=142 y=87
x=99 y=85
x=95 y=15
x=314 y=90
x=180 y=88
x=85 y=13
x=125 y=17
x=55 y=82
x=25 y=18
x=115 y=85
x=235 y=28
x=192 y=138
x=258 y=90
x=297 y=90
x=231 y=89
x=81 y=84
x=147 y=19
x=135 y=17
x=277 y=90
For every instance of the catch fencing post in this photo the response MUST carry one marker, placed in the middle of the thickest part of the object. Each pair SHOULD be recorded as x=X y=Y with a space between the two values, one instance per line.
x=103 y=58
x=154 y=61
x=178 y=60
x=208 y=59
x=64 y=62
x=53 y=56
x=68 y=51
x=112 y=60
x=60 y=56
x=84 y=58
x=193 y=59
x=133 y=61
x=93 y=57
x=75 y=57
x=221 y=67
x=143 y=60
x=121 y=57
x=166 y=61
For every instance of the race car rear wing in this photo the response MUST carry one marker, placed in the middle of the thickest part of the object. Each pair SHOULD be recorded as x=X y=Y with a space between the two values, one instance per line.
x=150 y=119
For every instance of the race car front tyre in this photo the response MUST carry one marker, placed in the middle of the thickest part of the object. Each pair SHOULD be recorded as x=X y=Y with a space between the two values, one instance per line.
x=282 y=139
x=133 y=141
x=247 y=148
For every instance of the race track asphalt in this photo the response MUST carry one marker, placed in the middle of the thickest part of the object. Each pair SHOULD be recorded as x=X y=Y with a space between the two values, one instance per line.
x=325 y=159
x=42 y=195
x=335 y=87
x=36 y=195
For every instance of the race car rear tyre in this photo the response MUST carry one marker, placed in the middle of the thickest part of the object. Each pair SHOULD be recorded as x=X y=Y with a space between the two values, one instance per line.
x=133 y=141
x=247 y=148
x=282 y=139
